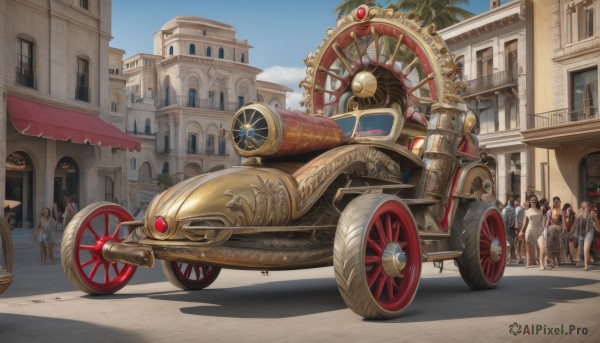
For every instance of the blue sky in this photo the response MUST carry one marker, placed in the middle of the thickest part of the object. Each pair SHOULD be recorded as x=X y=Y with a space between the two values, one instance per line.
x=281 y=32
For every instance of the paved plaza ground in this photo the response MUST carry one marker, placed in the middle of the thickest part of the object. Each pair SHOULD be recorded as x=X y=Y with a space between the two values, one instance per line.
x=295 y=306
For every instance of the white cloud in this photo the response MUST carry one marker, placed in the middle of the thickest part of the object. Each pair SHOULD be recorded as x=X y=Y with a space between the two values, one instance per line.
x=287 y=76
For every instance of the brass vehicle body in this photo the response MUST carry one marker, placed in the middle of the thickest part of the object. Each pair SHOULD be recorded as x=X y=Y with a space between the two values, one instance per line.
x=355 y=184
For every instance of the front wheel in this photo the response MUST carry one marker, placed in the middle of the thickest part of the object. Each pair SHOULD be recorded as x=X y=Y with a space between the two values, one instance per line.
x=81 y=249
x=377 y=256
x=190 y=276
x=481 y=231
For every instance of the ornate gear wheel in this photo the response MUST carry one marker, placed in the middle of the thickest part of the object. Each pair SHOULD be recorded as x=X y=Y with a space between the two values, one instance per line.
x=378 y=58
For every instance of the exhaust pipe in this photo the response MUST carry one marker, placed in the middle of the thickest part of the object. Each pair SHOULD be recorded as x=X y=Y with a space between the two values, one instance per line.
x=129 y=252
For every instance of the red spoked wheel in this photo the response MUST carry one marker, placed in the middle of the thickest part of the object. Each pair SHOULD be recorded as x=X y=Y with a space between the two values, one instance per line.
x=190 y=276
x=82 y=244
x=408 y=64
x=377 y=256
x=484 y=257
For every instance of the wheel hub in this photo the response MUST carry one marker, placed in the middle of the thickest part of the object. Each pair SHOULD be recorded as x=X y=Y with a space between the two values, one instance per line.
x=393 y=260
x=495 y=250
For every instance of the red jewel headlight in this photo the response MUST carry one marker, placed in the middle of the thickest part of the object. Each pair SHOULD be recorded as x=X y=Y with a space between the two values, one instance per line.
x=160 y=224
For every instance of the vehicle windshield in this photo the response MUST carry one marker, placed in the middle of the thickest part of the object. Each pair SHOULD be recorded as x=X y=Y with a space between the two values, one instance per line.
x=375 y=125
x=347 y=125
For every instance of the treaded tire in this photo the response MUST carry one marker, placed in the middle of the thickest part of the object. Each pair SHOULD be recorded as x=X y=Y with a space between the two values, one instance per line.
x=480 y=230
x=370 y=227
x=189 y=276
x=81 y=249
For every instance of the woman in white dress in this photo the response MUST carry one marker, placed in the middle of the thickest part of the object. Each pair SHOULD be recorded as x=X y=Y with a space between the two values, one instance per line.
x=531 y=231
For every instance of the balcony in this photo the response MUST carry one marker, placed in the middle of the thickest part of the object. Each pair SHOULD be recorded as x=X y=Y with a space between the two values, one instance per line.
x=25 y=78
x=554 y=128
x=204 y=104
x=491 y=83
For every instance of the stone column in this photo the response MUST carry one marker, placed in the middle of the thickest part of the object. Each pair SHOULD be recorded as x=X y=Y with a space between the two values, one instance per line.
x=501 y=169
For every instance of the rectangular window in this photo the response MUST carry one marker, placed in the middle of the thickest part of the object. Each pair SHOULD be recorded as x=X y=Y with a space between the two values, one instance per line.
x=210 y=144
x=167 y=143
x=24 y=72
x=191 y=148
x=111 y=71
x=222 y=145
x=584 y=94
x=83 y=4
x=589 y=22
x=485 y=63
x=82 y=91
x=192 y=98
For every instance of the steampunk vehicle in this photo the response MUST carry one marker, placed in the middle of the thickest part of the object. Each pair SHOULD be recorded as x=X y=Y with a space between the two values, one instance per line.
x=357 y=182
x=6 y=255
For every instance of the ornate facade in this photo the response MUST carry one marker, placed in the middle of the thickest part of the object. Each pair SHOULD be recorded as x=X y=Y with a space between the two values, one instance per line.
x=55 y=136
x=181 y=99
x=564 y=126
x=494 y=51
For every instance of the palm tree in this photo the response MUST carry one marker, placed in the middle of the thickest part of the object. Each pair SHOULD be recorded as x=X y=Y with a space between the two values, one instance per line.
x=442 y=13
x=348 y=6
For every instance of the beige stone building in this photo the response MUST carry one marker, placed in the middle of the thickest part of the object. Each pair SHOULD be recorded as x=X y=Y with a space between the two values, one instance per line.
x=564 y=126
x=495 y=51
x=180 y=101
x=77 y=119
x=55 y=106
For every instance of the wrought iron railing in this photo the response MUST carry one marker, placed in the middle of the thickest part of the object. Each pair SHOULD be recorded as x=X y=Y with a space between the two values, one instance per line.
x=562 y=116
x=25 y=77
x=205 y=104
x=493 y=81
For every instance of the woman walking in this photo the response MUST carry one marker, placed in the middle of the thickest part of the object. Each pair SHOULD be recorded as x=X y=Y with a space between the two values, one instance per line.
x=44 y=233
x=555 y=226
x=585 y=226
x=531 y=231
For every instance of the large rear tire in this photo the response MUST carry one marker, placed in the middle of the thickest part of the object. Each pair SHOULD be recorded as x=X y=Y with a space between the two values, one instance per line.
x=377 y=256
x=81 y=249
x=480 y=230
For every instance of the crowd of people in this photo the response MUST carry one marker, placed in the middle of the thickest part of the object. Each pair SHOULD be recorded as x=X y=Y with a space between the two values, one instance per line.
x=547 y=236
x=45 y=229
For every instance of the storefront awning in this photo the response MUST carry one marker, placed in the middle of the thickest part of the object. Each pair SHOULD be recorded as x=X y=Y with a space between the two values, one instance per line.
x=41 y=120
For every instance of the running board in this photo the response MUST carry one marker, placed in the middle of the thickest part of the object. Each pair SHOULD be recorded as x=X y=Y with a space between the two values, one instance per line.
x=442 y=255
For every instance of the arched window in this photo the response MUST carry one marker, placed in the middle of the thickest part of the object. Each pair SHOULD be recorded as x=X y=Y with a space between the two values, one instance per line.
x=221 y=53
x=192 y=97
x=192 y=49
x=243 y=59
x=208 y=51
x=171 y=51
x=147 y=128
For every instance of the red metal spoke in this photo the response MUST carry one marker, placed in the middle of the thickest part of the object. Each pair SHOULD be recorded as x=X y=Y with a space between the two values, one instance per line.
x=388 y=228
x=390 y=288
x=94 y=269
x=88 y=262
x=106 y=224
x=375 y=246
x=381 y=280
x=403 y=245
x=86 y=247
x=91 y=229
x=372 y=260
x=116 y=268
x=396 y=231
x=187 y=271
x=374 y=275
x=106 y=271
x=379 y=227
x=486 y=231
